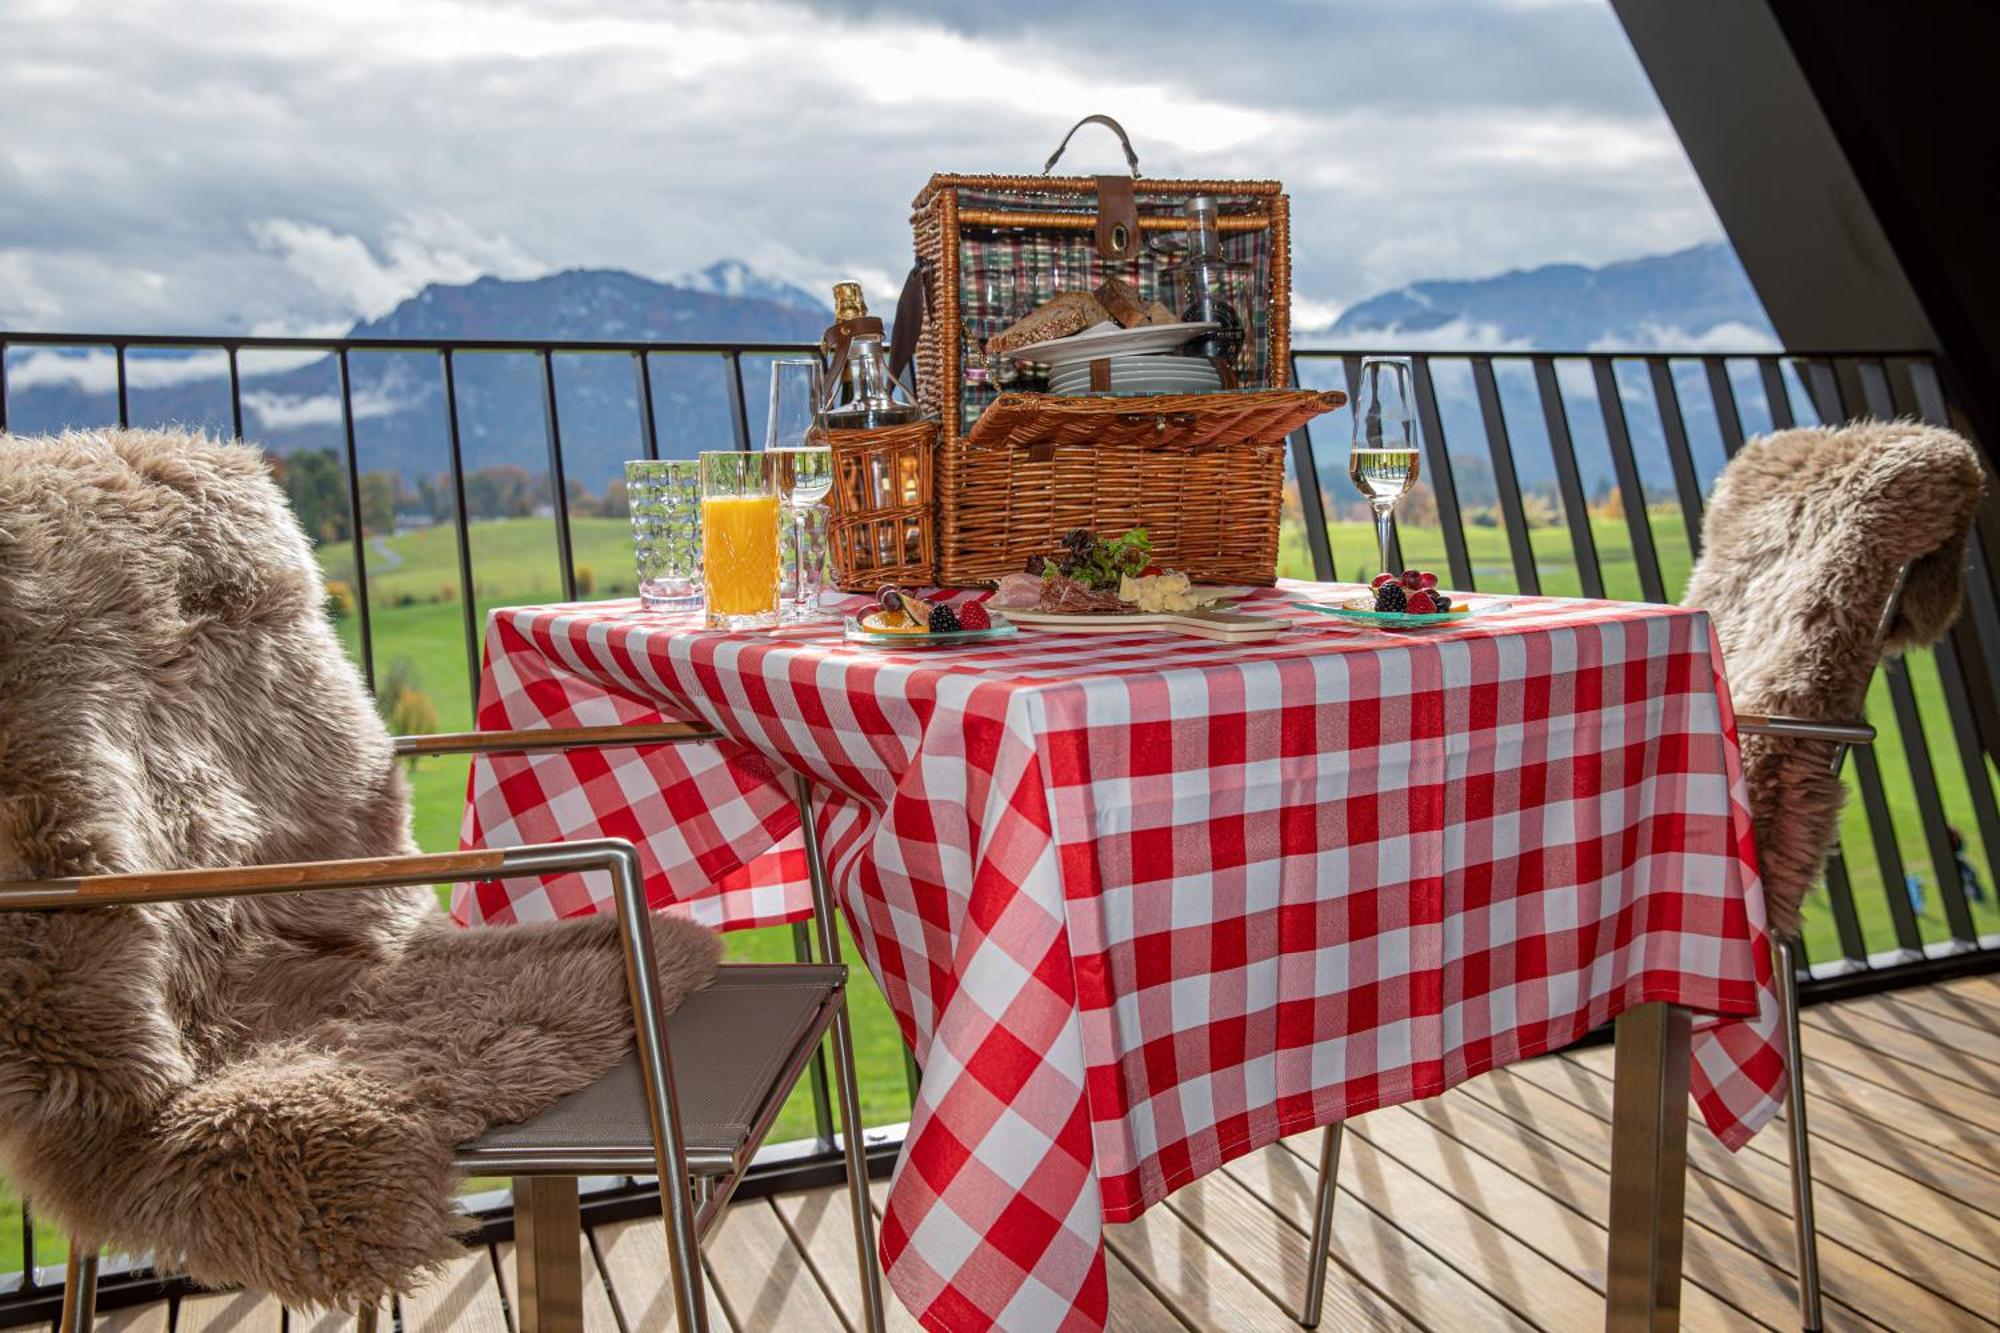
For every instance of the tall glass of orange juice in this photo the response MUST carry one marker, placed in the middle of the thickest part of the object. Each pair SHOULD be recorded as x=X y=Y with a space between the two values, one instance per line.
x=739 y=539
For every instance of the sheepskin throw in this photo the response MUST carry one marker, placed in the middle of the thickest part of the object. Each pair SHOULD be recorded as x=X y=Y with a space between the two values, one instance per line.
x=1804 y=535
x=265 y=1091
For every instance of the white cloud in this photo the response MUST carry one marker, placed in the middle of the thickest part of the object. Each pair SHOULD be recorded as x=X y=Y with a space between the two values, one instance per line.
x=237 y=164
x=1728 y=336
x=276 y=411
x=1455 y=335
x=418 y=249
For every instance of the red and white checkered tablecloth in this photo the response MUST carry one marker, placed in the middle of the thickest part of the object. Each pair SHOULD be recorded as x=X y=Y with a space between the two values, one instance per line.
x=1144 y=904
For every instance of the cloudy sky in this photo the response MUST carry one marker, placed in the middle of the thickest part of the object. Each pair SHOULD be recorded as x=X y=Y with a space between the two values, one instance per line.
x=272 y=166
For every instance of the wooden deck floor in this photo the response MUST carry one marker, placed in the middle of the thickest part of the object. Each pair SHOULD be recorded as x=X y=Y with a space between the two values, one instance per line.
x=1481 y=1209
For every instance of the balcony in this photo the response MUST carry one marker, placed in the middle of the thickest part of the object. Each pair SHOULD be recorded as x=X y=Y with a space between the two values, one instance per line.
x=1546 y=472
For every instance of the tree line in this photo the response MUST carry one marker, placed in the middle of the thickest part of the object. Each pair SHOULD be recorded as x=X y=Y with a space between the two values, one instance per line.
x=316 y=483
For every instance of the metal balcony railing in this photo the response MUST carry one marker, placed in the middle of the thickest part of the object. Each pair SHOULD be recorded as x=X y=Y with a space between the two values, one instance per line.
x=1543 y=472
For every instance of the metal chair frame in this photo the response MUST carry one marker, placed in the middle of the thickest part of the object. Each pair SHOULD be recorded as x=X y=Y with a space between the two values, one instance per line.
x=1805 y=1235
x=686 y=1223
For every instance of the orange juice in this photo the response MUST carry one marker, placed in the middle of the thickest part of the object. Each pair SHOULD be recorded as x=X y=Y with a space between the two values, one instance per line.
x=739 y=552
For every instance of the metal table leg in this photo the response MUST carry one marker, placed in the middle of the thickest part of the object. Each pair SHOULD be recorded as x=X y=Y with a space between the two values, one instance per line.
x=548 y=1257
x=1648 y=1170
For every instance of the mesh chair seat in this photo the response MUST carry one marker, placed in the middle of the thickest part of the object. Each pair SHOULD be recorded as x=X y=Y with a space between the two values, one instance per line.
x=736 y=1047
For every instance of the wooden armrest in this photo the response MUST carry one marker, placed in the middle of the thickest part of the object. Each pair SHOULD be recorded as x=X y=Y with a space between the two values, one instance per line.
x=540 y=740
x=1805 y=729
x=121 y=890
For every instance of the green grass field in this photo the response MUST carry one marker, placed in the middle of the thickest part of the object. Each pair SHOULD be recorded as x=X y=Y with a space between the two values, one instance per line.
x=515 y=562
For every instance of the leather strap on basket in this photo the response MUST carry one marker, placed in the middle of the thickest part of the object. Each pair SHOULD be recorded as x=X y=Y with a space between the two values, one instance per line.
x=1117 y=205
x=1131 y=158
x=909 y=324
x=1100 y=374
x=834 y=342
x=1117 y=218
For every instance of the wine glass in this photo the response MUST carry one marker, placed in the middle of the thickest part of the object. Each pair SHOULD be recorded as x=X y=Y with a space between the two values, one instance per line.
x=805 y=477
x=1383 y=462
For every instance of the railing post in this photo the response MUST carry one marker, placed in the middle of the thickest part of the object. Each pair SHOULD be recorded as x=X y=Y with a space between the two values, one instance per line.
x=365 y=621
x=558 y=478
x=1312 y=496
x=468 y=594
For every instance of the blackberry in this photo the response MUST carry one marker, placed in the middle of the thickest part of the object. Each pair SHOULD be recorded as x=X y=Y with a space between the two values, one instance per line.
x=1037 y=564
x=1391 y=597
x=1444 y=602
x=944 y=620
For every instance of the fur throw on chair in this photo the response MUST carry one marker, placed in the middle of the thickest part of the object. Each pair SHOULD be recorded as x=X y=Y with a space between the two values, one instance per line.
x=1803 y=538
x=263 y=1091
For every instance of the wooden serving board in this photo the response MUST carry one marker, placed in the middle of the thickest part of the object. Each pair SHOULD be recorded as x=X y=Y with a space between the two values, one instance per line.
x=1226 y=626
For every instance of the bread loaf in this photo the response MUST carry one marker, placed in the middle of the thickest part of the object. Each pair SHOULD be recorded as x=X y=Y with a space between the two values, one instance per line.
x=1067 y=313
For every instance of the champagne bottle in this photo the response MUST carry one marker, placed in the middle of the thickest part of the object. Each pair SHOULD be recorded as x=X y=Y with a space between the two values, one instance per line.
x=861 y=394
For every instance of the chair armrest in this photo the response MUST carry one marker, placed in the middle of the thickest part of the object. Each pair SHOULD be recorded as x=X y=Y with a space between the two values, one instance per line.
x=157 y=886
x=1805 y=729
x=540 y=740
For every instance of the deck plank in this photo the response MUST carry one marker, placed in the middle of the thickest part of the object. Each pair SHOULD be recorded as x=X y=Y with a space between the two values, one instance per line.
x=327 y=1321
x=633 y=1259
x=821 y=1227
x=1370 y=1250
x=1738 y=1246
x=1966 y=1052
x=134 y=1319
x=1979 y=990
x=763 y=1277
x=1935 y=1088
x=464 y=1298
x=1857 y=1242
x=1195 y=1278
x=1871 y=1147
x=1241 y=1226
x=598 y=1316
x=230 y=1312
x=1943 y=1033
x=1557 y=1203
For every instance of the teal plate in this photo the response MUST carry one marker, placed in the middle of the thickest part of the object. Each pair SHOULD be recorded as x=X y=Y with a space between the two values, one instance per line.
x=1403 y=619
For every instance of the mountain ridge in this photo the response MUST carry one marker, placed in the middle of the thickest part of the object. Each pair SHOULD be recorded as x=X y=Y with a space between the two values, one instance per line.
x=399 y=409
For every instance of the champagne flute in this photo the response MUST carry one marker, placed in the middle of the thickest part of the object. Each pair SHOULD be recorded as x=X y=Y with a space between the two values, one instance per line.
x=1383 y=462
x=805 y=476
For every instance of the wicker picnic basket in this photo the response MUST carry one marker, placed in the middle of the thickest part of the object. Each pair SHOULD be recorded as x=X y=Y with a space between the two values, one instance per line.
x=1203 y=473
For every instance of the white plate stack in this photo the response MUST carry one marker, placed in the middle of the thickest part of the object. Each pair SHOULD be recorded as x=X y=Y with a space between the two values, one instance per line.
x=1154 y=374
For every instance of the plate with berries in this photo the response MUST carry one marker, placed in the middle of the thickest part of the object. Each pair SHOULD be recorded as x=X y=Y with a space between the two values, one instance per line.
x=903 y=620
x=1410 y=600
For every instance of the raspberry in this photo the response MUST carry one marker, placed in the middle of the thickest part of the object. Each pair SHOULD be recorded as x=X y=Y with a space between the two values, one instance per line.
x=973 y=615
x=1380 y=579
x=1391 y=597
x=1421 y=603
x=944 y=620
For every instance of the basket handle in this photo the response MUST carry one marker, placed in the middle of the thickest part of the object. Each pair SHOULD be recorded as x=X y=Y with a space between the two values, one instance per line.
x=1131 y=158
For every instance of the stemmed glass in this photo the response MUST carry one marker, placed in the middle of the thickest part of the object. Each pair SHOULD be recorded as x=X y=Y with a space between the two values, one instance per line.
x=805 y=477
x=1383 y=462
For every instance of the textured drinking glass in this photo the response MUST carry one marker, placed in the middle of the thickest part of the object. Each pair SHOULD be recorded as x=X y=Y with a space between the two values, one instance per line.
x=739 y=539
x=1383 y=462
x=665 y=499
x=805 y=477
